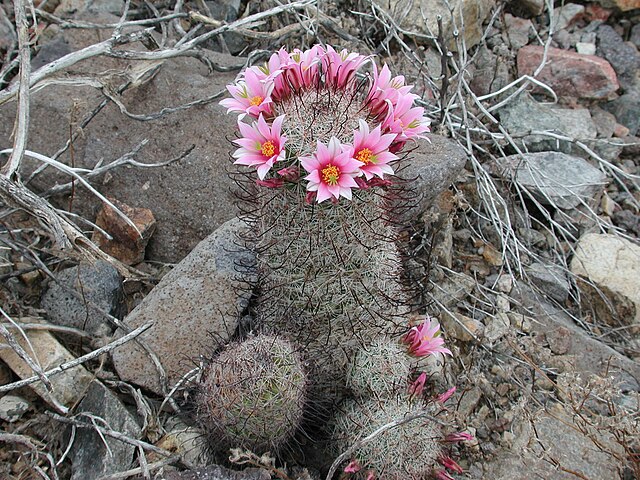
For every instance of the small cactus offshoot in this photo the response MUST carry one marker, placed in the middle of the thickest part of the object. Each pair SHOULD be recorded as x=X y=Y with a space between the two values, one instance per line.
x=252 y=395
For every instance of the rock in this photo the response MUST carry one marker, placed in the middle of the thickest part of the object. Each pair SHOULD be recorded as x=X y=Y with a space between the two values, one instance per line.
x=189 y=198
x=554 y=178
x=626 y=108
x=520 y=322
x=99 y=284
x=462 y=327
x=226 y=10
x=621 y=131
x=452 y=289
x=195 y=308
x=491 y=72
x=552 y=439
x=13 y=407
x=551 y=279
x=623 y=57
x=497 y=326
x=214 y=472
x=566 y=14
x=127 y=245
x=68 y=386
x=624 y=5
x=422 y=17
x=570 y=74
x=90 y=457
x=518 y=30
x=525 y=115
x=586 y=48
x=604 y=121
x=635 y=35
x=612 y=264
x=628 y=220
x=589 y=355
x=5 y=374
x=433 y=166
x=532 y=7
x=559 y=340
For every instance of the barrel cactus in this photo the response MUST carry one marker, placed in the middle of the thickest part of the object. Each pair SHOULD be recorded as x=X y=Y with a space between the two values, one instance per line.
x=252 y=395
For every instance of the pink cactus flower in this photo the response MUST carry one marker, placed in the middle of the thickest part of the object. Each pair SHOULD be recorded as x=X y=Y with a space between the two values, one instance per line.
x=372 y=149
x=405 y=120
x=341 y=67
x=300 y=71
x=458 y=437
x=450 y=464
x=443 y=475
x=290 y=174
x=251 y=96
x=386 y=88
x=260 y=146
x=331 y=171
x=353 y=467
x=417 y=386
x=425 y=339
x=371 y=475
x=443 y=397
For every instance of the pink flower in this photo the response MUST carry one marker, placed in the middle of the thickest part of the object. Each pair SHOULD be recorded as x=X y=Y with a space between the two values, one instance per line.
x=425 y=339
x=331 y=171
x=251 y=96
x=443 y=397
x=416 y=388
x=458 y=437
x=405 y=120
x=290 y=174
x=371 y=475
x=450 y=464
x=341 y=67
x=443 y=475
x=372 y=149
x=353 y=467
x=386 y=88
x=260 y=146
x=298 y=71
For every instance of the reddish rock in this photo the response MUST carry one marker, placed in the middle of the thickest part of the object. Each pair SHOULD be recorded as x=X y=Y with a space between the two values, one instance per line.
x=570 y=74
x=127 y=245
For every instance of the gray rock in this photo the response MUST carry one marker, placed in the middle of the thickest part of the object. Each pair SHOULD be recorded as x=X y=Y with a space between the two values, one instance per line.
x=431 y=168
x=604 y=121
x=496 y=327
x=554 y=178
x=525 y=115
x=635 y=35
x=518 y=30
x=215 y=472
x=491 y=72
x=99 y=284
x=13 y=407
x=589 y=355
x=90 y=457
x=532 y=7
x=566 y=14
x=626 y=108
x=452 y=289
x=194 y=308
x=551 y=279
x=623 y=57
x=612 y=265
x=189 y=198
x=422 y=17
x=549 y=438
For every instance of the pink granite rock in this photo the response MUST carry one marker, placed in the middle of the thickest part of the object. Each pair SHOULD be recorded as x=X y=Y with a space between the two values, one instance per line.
x=570 y=74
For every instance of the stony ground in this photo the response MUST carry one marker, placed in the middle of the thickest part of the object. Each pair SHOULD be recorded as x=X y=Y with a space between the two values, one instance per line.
x=524 y=244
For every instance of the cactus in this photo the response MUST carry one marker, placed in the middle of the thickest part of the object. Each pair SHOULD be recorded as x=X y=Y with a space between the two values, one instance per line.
x=329 y=269
x=252 y=395
x=380 y=370
x=408 y=451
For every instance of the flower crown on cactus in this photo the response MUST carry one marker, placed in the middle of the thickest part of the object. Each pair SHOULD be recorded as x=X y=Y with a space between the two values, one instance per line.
x=309 y=113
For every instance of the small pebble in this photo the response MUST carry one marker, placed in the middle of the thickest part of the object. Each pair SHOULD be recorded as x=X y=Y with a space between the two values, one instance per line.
x=12 y=408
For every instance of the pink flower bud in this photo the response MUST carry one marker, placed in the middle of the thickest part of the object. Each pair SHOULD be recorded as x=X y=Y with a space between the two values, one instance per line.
x=443 y=397
x=416 y=388
x=353 y=467
x=458 y=437
x=450 y=464
x=270 y=183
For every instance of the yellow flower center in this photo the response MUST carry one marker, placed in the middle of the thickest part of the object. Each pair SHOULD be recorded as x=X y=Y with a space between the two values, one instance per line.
x=268 y=148
x=364 y=156
x=330 y=174
x=255 y=101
